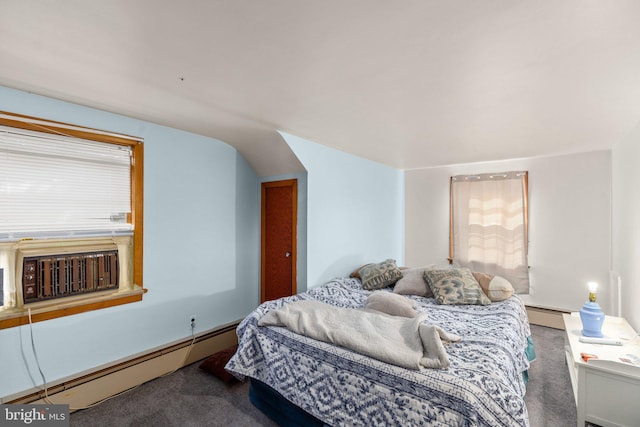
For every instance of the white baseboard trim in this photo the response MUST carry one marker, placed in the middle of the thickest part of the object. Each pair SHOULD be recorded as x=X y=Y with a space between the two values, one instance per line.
x=87 y=388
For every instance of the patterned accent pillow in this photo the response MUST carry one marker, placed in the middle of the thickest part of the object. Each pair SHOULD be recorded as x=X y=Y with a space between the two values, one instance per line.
x=497 y=288
x=390 y=303
x=455 y=286
x=413 y=283
x=356 y=273
x=380 y=275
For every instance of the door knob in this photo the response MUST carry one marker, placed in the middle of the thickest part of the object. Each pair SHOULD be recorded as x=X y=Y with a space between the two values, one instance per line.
x=288 y=254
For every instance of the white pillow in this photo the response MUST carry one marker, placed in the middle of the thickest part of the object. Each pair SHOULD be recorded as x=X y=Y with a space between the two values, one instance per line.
x=413 y=283
x=499 y=289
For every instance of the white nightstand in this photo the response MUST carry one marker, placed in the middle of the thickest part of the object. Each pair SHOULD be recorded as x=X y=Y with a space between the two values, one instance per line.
x=607 y=390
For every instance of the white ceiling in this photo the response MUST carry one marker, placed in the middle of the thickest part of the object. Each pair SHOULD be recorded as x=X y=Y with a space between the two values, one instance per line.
x=410 y=84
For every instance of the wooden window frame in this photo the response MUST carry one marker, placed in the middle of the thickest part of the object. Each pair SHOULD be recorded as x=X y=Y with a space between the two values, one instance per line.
x=63 y=307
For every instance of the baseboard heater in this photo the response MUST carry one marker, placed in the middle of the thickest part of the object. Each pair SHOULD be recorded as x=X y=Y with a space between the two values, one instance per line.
x=56 y=276
x=90 y=387
x=549 y=317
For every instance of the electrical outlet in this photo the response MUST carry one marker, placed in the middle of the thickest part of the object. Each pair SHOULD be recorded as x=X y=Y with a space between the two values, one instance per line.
x=192 y=321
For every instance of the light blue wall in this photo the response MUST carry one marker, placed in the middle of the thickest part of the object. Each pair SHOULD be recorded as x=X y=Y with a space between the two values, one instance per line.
x=355 y=211
x=201 y=251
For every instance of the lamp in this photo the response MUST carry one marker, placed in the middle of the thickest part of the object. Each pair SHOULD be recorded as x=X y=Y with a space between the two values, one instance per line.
x=591 y=315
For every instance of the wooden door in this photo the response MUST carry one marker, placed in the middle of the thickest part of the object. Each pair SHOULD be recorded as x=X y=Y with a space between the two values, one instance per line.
x=278 y=239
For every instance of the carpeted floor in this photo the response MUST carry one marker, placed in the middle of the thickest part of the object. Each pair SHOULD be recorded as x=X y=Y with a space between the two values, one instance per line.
x=549 y=398
x=189 y=397
x=192 y=397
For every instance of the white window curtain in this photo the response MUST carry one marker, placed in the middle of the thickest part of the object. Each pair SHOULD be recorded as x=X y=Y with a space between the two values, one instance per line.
x=489 y=225
x=55 y=185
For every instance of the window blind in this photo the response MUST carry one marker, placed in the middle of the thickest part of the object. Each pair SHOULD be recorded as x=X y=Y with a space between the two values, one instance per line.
x=56 y=185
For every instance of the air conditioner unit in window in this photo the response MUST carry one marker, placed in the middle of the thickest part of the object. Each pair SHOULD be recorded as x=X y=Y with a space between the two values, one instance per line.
x=56 y=276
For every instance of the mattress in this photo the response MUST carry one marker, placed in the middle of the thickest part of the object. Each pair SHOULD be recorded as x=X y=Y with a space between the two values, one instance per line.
x=484 y=384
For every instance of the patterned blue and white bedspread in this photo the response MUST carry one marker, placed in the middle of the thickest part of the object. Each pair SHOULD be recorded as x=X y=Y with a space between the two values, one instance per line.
x=482 y=387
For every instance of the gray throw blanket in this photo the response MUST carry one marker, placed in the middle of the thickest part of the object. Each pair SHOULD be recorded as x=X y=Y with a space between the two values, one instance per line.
x=406 y=342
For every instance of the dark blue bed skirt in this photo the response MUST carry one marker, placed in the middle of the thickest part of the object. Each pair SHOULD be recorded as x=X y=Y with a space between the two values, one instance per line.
x=279 y=409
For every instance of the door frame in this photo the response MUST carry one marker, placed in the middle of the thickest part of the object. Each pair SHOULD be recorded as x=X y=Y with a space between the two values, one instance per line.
x=293 y=183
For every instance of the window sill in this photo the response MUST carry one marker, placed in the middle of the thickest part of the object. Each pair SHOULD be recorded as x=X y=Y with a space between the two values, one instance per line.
x=47 y=310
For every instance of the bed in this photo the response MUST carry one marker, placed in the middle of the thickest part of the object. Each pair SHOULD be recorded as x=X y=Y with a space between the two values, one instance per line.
x=299 y=380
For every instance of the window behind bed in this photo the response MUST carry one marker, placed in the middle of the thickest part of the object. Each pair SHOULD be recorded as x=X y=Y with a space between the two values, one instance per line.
x=489 y=225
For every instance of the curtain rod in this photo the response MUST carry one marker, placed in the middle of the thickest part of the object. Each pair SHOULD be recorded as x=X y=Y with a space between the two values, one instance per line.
x=488 y=176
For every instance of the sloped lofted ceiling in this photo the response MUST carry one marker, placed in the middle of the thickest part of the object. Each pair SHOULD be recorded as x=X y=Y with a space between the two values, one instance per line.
x=409 y=84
